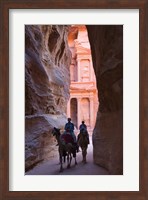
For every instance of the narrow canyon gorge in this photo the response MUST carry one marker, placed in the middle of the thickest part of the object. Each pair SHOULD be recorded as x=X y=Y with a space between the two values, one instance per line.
x=47 y=84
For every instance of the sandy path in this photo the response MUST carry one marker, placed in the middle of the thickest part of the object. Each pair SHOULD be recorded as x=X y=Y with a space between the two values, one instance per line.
x=52 y=167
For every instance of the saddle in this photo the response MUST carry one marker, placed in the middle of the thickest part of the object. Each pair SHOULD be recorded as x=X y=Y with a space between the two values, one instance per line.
x=67 y=138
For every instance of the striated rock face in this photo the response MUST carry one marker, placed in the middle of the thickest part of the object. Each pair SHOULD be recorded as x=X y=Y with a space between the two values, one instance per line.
x=39 y=142
x=107 y=54
x=47 y=80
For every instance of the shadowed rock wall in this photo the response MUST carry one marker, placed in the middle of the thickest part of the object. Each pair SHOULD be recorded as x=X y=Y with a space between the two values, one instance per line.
x=47 y=80
x=107 y=54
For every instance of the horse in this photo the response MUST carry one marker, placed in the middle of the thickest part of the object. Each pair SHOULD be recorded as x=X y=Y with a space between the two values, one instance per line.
x=83 y=142
x=67 y=149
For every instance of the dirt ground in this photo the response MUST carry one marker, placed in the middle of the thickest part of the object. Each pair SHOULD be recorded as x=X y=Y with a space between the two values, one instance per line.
x=52 y=166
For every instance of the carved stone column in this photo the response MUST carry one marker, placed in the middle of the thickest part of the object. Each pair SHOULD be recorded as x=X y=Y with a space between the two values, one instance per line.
x=79 y=111
x=79 y=70
x=91 y=69
x=68 y=109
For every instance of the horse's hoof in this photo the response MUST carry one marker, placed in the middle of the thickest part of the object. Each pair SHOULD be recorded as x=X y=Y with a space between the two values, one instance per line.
x=68 y=166
x=76 y=163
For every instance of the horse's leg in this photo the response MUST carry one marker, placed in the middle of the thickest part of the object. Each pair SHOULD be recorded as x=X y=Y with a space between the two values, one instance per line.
x=68 y=160
x=60 y=156
x=82 y=150
x=76 y=161
x=84 y=154
x=85 y=157
x=61 y=168
x=64 y=158
x=75 y=158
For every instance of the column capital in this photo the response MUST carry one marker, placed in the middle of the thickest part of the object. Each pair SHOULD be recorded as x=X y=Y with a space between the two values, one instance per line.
x=79 y=110
x=79 y=98
x=78 y=58
x=91 y=98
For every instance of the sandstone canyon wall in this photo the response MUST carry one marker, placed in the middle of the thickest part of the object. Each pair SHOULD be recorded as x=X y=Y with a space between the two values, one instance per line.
x=107 y=54
x=47 y=80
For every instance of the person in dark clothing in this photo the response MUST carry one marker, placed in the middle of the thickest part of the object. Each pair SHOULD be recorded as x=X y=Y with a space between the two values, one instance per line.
x=83 y=128
x=70 y=127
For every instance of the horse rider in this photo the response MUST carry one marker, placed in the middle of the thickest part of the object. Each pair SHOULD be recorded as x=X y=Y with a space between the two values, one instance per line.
x=69 y=127
x=83 y=128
